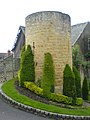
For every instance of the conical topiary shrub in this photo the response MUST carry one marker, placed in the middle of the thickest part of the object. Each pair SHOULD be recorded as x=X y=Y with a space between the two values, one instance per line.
x=69 y=88
x=77 y=82
x=85 y=89
x=48 y=77
x=27 y=70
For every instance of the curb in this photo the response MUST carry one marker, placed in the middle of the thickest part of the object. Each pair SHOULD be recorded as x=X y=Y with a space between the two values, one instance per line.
x=39 y=112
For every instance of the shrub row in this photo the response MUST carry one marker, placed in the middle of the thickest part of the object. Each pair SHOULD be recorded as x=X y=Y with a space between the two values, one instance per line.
x=79 y=101
x=65 y=99
x=61 y=98
x=34 y=88
x=53 y=96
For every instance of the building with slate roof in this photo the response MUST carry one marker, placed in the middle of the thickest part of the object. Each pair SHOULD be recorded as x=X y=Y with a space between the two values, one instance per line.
x=19 y=42
x=80 y=34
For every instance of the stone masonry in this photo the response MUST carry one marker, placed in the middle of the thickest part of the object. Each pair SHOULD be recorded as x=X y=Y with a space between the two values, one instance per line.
x=9 y=67
x=49 y=31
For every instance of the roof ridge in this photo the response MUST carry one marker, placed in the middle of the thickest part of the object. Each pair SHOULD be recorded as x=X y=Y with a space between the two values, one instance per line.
x=76 y=31
x=80 y=24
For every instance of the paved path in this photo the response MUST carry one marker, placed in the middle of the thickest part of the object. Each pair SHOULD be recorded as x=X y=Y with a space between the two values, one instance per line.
x=7 y=112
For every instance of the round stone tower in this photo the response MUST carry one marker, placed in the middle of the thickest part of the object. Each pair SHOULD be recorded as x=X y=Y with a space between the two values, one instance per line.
x=49 y=31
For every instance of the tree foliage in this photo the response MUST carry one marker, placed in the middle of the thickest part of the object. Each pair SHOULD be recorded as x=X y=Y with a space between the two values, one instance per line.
x=85 y=89
x=76 y=56
x=77 y=82
x=27 y=70
x=48 y=77
x=87 y=55
x=69 y=88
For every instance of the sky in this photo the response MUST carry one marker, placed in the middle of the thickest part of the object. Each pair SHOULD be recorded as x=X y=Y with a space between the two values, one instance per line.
x=14 y=12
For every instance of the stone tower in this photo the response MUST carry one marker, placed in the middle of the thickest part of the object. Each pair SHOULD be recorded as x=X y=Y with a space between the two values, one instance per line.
x=49 y=31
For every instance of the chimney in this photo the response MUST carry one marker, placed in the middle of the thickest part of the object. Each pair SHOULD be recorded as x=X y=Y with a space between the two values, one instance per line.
x=9 y=52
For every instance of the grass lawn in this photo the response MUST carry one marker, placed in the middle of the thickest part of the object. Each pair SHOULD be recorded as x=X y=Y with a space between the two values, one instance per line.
x=9 y=89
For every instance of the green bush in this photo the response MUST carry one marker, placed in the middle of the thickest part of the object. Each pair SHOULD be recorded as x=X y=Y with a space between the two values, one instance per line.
x=20 y=70
x=87 y=55
x=53 y=96
x=27 y=69
x=34 y=88
x=85 y=89
x=76 y=56
x=68 y=81
x=61 y=98
x=22 y=51
x=69 y=88
x=77 y=82
x=48 y=77
x=65 y=99
x=79 y=101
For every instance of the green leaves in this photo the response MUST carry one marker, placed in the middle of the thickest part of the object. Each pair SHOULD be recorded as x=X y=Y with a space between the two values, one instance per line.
x=69 y=88
x=27 y=69
x=85 y=89
x=77 y=56
x=48 y=76
x=77 y=81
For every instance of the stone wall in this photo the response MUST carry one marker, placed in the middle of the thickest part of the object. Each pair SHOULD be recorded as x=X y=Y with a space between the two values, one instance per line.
x=9 y=68
x=49 y=31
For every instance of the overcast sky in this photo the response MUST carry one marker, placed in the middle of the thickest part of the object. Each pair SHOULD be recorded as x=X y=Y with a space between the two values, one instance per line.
x=13 y=13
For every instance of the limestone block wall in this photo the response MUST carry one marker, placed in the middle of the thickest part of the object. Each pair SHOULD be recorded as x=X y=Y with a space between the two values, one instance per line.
x=9 y=68
x=49 y=31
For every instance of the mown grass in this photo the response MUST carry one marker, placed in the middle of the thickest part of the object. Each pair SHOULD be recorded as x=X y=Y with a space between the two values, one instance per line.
x=9 y=89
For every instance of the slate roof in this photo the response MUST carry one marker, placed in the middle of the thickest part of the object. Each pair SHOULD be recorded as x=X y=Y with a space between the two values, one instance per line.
x=76 y=31
x=21 y=29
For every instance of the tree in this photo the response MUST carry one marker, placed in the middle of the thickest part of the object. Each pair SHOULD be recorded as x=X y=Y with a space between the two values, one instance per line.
x=77 y=81
x=76 y=56
x=48 y=77
x=85 y=89
x=27 y=69
x=22 y=51
x=69 y=88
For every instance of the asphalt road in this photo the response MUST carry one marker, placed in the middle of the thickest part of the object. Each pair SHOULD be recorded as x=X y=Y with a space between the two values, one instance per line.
x=7 y=112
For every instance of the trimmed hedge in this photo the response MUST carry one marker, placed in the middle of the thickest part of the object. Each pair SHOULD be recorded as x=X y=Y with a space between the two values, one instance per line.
x=65 y=99
x=34 y=88
x=61 y=98
x=79 y=101
x=53 y=96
